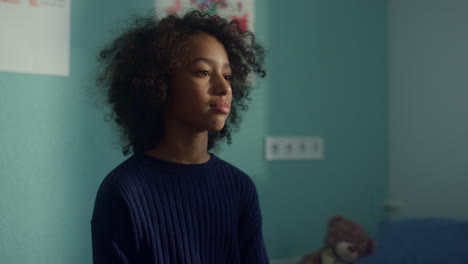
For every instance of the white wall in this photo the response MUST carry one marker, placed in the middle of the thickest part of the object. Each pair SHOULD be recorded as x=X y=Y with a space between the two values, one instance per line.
x=428 y=64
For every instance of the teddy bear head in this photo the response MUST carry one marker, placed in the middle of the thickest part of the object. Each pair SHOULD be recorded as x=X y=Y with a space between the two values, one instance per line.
x=348 y=240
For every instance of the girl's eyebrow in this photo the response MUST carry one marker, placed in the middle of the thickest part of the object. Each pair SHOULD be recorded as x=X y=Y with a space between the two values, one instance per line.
x=211 y=62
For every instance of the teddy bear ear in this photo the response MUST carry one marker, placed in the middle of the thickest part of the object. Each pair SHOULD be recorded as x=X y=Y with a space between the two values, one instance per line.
x=370 y=247
x=335 y=219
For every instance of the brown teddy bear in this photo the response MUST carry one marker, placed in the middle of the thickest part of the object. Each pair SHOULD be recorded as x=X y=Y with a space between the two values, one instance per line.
x=345 y=242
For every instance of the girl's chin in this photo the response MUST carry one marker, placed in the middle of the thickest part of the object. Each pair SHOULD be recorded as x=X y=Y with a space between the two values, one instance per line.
x=217 y=128
x=217 y=125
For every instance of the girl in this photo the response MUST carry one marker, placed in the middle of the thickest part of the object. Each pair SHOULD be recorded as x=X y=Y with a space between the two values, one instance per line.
x=176 y=87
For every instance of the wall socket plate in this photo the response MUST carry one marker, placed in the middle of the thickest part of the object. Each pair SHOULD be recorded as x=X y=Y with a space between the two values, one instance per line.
x=294 y=148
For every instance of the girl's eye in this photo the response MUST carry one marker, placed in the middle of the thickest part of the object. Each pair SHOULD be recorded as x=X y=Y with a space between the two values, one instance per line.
x=204 y=73
x=228 y=77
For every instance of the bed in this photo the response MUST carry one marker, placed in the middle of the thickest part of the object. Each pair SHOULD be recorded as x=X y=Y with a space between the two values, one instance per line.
x=416 y=241
x=420 y=240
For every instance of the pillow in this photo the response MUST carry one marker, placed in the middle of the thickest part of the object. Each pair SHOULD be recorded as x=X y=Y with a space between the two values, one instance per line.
x=421 y=240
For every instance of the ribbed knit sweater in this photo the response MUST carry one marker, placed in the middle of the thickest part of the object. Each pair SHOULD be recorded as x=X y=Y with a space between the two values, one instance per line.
x=149 y=210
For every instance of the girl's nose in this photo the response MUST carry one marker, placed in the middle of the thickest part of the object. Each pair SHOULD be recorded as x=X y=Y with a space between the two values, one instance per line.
x=222 y=86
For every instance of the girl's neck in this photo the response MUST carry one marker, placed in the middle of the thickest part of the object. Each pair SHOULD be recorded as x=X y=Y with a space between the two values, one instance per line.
x=182 y=142
x=184 y=149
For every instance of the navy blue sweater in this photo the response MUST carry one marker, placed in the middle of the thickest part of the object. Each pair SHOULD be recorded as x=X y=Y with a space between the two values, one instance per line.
x=152 y=211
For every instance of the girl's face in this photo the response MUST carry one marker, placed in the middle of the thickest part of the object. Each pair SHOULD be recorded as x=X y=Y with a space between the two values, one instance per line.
x=201 y=92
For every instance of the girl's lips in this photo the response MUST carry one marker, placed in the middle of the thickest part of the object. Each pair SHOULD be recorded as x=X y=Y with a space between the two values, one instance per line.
x=222 y=108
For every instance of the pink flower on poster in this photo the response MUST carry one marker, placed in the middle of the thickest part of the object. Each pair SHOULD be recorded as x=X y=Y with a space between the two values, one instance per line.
x=240 y=10
x=243 y=21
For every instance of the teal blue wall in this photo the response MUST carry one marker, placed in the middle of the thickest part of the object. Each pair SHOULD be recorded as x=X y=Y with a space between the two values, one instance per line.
x=56 y=148
x=326 y=77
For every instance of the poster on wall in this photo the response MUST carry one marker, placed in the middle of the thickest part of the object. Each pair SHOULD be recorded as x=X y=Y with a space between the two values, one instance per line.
x=239 y=10
x=35 y=36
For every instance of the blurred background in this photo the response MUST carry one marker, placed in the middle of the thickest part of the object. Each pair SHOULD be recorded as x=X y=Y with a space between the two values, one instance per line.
x=384 y=83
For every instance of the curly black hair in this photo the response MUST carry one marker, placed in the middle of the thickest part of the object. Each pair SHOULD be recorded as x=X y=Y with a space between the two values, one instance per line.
x=137 y=68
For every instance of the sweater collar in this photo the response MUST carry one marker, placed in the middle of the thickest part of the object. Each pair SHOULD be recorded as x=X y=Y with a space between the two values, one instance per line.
x=177 y=168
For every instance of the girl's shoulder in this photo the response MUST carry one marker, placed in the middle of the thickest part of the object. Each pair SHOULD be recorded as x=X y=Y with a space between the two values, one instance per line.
x=123 y=176
x=239 y=175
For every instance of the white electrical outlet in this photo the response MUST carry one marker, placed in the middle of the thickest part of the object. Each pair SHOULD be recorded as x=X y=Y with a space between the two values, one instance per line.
x=293 y=148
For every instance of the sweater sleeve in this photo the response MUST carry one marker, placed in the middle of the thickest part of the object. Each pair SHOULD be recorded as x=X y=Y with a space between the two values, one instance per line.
x=252 y=247
x=113 y=235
